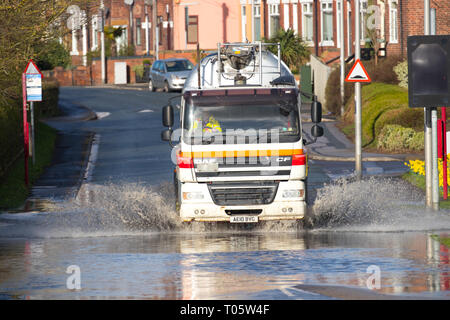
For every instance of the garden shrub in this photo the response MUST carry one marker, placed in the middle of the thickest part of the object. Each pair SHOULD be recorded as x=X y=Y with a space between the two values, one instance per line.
x=401 y=70
x=395 y=138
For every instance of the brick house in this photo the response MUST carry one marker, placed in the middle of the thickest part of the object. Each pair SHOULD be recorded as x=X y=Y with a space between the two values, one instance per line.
x=318 y=21
x=85 y=36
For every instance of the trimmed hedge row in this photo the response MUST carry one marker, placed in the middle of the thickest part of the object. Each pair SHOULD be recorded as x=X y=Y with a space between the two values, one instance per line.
x=11 y=122
x=379 y=102
x=395 y=138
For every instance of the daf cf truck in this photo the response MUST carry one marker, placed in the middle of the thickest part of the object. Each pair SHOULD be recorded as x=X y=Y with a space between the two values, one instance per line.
x=239 y=150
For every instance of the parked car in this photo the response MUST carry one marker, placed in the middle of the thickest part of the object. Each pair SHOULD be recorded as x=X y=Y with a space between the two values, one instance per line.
x=169 y=74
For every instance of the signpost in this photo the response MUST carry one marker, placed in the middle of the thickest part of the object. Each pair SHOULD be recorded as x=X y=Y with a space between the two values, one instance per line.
x=357 y=75
x=32 y=91
x=429 y=88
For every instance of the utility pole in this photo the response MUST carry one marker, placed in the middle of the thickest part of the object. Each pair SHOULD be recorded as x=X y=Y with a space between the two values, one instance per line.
x=432 y=148
x=102 y=41
x=358 y=139
x=147 y=44
x=155 y=43
x=341 y=35
x=431 y=162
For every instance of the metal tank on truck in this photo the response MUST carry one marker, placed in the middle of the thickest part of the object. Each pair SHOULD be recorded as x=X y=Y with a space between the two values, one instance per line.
x=239 y=152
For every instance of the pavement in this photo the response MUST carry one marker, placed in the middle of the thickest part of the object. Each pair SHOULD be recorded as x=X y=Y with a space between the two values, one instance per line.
x=64 y=177
x=331 y=156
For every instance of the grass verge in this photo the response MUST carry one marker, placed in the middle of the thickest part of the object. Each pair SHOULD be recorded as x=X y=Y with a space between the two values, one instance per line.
x=442 y=240
x=13 y=191
x=419 y=181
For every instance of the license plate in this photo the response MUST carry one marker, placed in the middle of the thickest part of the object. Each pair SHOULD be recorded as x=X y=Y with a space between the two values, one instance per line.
x=208 y=167
x=243 y=219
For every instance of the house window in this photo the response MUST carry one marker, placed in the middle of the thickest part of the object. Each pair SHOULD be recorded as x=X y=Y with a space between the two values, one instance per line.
x=257 y=22
x=243 y=23
x=192 y=35
x=274 y=18
x=338 y=22
x=363 y=10
x=393 y=27
x=295 y=18
x=286 y=16
x=95 y=28
x=433 y=21
x=138 y=31
x=307 y=22
x=326 y=15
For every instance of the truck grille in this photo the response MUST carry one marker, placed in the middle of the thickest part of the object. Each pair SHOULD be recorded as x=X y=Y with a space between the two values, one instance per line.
x=243 y=193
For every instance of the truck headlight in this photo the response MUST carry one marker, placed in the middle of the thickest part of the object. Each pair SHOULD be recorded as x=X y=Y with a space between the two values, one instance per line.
x=193 y=195
x=297 y=193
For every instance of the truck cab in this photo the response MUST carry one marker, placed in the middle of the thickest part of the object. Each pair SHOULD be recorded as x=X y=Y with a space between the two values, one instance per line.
x=240 y=153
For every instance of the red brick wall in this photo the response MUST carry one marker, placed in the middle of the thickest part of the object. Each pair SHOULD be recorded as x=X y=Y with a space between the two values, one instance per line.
x=81 y=76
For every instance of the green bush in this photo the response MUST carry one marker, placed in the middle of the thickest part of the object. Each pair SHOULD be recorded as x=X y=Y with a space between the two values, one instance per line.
x=383 y=72
x=139 y=70
x=401 y=70
x=53 y=54
x=403 y=116
x=11 y=121
x=395 y=138
x=377 y=98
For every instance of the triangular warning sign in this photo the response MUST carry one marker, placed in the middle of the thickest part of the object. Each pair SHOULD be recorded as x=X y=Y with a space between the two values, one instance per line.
x=358 y=73
x=32 y=68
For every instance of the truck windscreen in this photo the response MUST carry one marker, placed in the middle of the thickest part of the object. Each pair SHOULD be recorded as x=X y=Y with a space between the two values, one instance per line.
x=241 y=119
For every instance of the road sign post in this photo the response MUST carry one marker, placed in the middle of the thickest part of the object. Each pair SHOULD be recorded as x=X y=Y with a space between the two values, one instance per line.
x=357 y=75
x=32 y=91
x=429 y=88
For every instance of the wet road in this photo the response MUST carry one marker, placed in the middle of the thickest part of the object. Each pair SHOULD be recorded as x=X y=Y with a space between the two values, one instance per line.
x=123 y=236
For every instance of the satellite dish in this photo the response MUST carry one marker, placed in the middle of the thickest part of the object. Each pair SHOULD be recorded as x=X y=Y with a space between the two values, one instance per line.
x=129 y=2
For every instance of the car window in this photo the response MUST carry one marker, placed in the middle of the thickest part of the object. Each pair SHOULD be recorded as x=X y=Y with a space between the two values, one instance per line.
x=156 y=65
x=178 y=65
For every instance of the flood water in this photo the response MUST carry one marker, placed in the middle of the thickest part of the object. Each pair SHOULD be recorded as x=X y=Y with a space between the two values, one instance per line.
x=128 y=244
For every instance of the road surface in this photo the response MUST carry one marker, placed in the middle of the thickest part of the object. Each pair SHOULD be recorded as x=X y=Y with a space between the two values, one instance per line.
x=120 y=235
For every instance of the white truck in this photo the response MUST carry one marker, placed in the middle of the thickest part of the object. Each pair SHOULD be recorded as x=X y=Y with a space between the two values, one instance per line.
x=239 y=150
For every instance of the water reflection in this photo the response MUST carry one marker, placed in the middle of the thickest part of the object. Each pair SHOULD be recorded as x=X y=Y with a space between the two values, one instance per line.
x=221 y=265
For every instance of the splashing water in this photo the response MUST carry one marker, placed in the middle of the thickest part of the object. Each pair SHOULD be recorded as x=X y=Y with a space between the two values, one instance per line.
x=374 y=204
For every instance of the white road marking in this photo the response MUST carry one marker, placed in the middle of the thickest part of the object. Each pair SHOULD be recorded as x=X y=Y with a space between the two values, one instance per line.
x=145 y=110
x=101 y=115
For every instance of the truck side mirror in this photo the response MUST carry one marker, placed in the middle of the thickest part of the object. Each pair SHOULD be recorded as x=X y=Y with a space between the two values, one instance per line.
x=167 y=114
x=316 y=131
x=166 y=135
x=316 y=112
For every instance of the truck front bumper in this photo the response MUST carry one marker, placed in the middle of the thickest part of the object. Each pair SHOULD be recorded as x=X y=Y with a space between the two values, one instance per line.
x=280 y=209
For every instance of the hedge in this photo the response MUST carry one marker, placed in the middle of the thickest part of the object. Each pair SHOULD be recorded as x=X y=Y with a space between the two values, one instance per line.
x=11 y=122
x=377 y=99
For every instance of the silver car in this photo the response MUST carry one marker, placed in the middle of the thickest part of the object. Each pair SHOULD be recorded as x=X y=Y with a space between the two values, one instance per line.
x=169 y=74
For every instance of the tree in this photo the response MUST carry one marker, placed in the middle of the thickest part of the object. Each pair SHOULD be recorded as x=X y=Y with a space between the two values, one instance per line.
x=26 y=27
x=294 y=52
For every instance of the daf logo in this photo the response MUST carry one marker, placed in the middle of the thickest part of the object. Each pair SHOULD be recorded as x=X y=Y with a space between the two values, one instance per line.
x=198 y=161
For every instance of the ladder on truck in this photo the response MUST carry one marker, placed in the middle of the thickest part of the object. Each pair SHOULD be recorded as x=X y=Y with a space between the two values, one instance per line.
x=221 y=47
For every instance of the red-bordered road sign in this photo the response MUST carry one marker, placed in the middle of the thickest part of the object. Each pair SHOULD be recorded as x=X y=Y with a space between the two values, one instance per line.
x=358 y=73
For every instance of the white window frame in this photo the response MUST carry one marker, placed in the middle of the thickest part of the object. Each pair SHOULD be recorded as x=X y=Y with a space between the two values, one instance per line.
x=295 y=17
x=244 y=23
x=95 y=23
x=363 y=5
x=274 y=10
x=339 y=4
x=329 y=4
x=256 y=14
x=393 y=21
x=286 y=24
x=309 y=12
